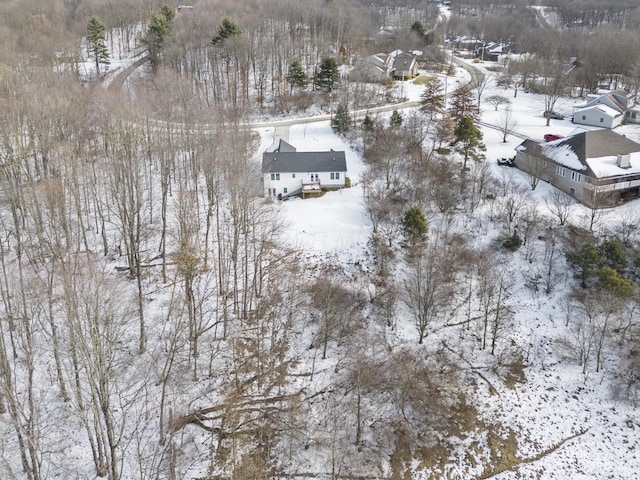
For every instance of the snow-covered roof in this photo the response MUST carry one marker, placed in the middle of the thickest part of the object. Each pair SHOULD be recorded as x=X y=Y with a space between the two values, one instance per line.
x=562 y=155
x=596 y=150
x=606 y=110
x=608 y=166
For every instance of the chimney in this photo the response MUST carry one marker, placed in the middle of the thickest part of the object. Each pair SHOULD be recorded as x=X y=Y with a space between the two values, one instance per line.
x=624 y=160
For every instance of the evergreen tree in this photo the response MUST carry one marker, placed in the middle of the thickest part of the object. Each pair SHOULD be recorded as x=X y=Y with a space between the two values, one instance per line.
x=158 y=33
x=613 y=282
x=296 y=76
x=432 y=98
x=396 y=119
x=327 y=75
x=468 y=140
x=228 y=28
x=96 y=34
x=463 y=105
x=414 y=225
x=341 y=121
x=418 y=28
x=367 y=124
x=587 y=260
x=612 y=254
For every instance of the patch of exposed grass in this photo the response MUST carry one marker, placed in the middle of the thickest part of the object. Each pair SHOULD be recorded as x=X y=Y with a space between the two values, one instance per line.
x=422 y=79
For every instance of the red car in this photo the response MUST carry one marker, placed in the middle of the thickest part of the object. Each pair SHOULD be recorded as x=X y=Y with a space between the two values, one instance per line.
x=550 y=137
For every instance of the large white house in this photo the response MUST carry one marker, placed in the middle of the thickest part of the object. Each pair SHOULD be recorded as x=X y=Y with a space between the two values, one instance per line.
x=288 y=172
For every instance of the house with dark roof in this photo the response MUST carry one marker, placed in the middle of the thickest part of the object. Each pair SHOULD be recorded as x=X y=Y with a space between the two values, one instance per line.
x=374 y=68
x=405 y=66
x=287 y=171
x=397 y=65
x=598 y=168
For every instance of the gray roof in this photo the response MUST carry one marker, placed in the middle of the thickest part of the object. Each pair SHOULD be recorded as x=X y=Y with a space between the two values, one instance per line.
x=599 y=143
x=587 y=145
x=293 y=162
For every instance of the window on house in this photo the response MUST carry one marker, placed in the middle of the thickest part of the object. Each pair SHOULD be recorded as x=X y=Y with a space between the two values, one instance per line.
x=277 y=176
x=337 y=175
x=560 y=171
x=293 y=175
x=333 y=176
x=273 y=176
x=584 y=117
x=576 y=177
x=572 y=191
x=284 y=190
x=601 y=120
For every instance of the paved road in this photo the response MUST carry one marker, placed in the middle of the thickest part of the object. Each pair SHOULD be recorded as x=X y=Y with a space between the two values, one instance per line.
x=118 y=82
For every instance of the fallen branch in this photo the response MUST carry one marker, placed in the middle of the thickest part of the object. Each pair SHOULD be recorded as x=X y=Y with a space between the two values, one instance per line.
x=533 y=459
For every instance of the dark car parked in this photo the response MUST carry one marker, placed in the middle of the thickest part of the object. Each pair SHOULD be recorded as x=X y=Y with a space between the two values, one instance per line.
x=552 y=114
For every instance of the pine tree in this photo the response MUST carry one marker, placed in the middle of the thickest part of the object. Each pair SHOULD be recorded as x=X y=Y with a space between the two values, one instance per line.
x=96 y=34
x=327 y=75
x=228 y=28
x=414 y=225
x=612 y=254
x=341 y=121
x=296 y=76
x=432 y=98
x=158 y=33
x=612 y=281
x=587 y=260
x=463 y=105
x=468 y=140
x=396 y=119
x=367 y=124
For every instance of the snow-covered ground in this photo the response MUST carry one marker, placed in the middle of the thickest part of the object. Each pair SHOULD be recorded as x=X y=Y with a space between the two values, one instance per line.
x=557 y=403
x=567 y=425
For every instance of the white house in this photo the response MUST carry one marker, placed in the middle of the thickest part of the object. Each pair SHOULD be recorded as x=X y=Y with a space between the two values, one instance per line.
x=598 y=115
x=288 y=172
x=607 y=110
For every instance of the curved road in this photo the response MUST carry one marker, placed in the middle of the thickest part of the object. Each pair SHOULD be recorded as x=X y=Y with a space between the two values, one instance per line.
x=118 y=82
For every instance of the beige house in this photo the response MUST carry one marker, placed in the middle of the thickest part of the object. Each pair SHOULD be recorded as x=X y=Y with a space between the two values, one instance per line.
x=598 y=168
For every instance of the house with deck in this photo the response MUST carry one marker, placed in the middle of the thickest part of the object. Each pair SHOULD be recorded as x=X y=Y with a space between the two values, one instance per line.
x=599 y=168
x=288 y=172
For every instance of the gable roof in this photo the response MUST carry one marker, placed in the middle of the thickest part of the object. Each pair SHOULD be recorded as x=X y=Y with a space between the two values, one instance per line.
x=280 y=146
x=294 y=162
x=595 y=151
x=602 y=108
x=403 y=61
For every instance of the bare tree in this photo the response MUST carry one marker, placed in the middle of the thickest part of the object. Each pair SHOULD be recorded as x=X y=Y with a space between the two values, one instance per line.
x=479 y=83
x=560 y=205
x=507 y=123
x=497 y=101
x=427 y=288
x=515 y=197
x=553 y=86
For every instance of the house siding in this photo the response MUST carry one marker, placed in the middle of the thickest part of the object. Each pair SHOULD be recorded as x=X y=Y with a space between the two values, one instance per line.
x=547 y=171
x=293 y=184
x=597 y=118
